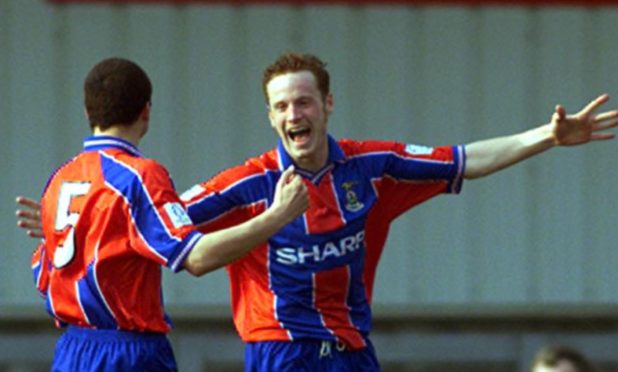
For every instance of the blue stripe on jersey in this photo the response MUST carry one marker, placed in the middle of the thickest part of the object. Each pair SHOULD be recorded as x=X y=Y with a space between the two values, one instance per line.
x=249 y=190
x=152 y=228
x=360 y=312
x=36 y=272
x=191 y=240
x=292 y=310
x=459 y=157
x=292 y=264
x=93 y=304
x=376 y=164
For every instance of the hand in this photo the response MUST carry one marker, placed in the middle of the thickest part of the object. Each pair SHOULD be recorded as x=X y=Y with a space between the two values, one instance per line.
x=291 y=196
x=585 y=126
x=29 y=219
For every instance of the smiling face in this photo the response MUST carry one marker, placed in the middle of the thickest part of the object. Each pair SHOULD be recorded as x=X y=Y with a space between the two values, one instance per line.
x=299 y=114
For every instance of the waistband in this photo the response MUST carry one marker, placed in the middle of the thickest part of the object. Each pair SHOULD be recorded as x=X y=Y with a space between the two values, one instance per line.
x=113 y=334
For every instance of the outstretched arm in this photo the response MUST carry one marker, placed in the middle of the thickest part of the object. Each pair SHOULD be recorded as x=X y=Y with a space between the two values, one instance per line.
x=488 y=156
x=219 y=248
x=216 y=249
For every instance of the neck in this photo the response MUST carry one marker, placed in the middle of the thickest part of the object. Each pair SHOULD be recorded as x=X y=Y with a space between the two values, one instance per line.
x=314 y=163
x=129 y=133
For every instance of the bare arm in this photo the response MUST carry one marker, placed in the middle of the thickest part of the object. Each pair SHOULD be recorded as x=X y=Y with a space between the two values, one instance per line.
x=219 y=248
x=488 y=156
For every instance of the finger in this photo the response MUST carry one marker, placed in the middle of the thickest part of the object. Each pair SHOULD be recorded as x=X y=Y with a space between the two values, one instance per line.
x=305 y=205
x=560 y=112
x=304 y=191
x=288 y=174
x=33 y=215
x=603 y=126
x=27 y=202
x=594 y=104
x=606 y=116
x=283 y=179
x=302 y=185
x=602 y=136
x=28 y=224
x=297 y=182
x=35 y=234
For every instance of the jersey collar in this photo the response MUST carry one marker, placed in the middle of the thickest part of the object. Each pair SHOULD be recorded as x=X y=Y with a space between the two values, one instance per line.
x=95 y=143
x=335 y=154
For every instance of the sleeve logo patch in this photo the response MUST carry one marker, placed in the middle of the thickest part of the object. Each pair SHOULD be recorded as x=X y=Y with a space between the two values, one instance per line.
x=419 y=150
x=177 y=214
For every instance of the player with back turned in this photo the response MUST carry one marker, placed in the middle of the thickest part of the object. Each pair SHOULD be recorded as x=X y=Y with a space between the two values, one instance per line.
x=111 y=218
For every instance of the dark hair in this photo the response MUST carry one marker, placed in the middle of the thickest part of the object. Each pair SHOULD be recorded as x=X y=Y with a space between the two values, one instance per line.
x=116 y=91
x=552 y=355
x=294 y=62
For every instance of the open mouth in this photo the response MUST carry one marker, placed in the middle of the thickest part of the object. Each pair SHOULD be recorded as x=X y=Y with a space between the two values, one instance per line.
x=299 y=135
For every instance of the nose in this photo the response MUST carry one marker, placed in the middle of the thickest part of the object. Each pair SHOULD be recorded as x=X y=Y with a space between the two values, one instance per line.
x=294 y=113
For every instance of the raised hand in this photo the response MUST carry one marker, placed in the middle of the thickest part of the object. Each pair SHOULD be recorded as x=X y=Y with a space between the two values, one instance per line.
x=584 y=126
x=29 y=218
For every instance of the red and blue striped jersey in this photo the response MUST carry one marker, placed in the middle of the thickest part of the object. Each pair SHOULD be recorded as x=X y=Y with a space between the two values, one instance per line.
x=314 y=278
x=111 y=219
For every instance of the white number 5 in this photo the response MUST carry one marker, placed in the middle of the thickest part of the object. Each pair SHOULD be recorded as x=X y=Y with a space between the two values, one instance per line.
x=64 y=217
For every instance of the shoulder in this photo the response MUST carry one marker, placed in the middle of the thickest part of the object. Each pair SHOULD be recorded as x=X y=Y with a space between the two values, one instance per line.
x=60 y=172
x=252 y=167
x=125 y=169
x=138 y=164
x=146 y=165
x=374 y=147
x=356 y=147
x=261 y=164
x=235 y=175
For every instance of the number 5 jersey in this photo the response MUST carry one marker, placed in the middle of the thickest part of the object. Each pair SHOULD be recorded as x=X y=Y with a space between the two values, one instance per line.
x=111 y=219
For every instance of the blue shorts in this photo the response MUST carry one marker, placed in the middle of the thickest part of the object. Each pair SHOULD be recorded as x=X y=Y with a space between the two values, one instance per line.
x=82 y=349
x=308 y=356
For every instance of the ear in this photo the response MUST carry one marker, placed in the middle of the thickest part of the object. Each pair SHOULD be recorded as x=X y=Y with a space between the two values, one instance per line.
x=145 y=114
x=271 y=118
x=328 y=104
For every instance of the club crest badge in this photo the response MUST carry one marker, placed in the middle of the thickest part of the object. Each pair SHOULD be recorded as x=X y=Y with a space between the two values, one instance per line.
x=352 y=202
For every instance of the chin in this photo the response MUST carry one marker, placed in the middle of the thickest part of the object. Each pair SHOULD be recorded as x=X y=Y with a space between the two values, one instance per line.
x=302 y=153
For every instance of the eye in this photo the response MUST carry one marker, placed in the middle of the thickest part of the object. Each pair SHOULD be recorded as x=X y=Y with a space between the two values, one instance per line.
x=279 y=107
